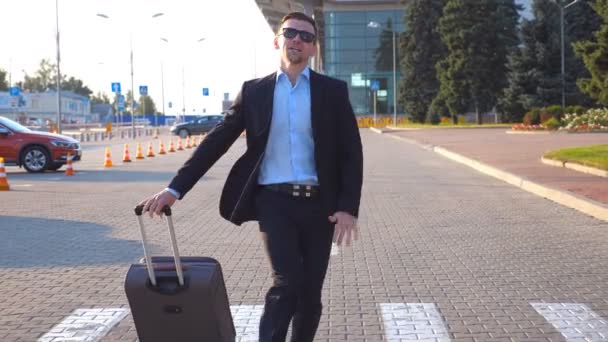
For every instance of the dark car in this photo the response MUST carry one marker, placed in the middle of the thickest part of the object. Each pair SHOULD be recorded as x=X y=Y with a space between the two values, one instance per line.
x=202 y=124
x=35 y=151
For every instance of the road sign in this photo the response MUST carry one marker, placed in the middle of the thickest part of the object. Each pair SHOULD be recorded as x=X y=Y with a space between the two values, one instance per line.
x=143 y=90
x=374 y=85
x=14 y=91
x=116 y=87
x=121 y=102
x=205 y=91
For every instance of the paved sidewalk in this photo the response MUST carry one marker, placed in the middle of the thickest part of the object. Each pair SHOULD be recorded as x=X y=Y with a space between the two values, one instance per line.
x=520 y=155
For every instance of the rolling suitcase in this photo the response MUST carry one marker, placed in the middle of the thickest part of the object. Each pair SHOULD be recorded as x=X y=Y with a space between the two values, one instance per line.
x=178 y=299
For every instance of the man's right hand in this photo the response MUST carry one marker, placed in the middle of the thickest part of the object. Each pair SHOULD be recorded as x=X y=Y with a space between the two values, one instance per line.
x=155 y=203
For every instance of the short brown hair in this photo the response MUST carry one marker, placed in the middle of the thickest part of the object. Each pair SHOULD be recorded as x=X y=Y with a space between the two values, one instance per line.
x=297 y=16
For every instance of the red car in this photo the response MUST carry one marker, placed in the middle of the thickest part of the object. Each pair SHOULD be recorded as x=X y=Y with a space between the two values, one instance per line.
x=35 y=151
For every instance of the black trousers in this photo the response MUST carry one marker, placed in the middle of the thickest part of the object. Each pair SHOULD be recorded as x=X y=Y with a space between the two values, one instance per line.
x=297 y=236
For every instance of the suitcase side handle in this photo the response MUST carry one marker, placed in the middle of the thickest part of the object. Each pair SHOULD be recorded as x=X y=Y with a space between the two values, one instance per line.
x=178 y=265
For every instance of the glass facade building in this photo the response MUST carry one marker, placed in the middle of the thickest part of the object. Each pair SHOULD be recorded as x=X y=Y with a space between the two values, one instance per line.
x=358 y=48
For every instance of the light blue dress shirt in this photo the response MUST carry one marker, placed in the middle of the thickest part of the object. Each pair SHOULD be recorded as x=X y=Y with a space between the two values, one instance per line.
x=289 y=156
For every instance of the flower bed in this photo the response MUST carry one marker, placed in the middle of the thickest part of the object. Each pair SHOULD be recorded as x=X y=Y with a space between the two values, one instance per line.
x=594 y=120
x=522 y=127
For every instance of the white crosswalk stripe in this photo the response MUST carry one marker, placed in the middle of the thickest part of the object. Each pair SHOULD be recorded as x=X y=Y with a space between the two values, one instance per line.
x=576 y=322
x=246 y=321
x=85 y=325
x=402 y=322
x=413 y=322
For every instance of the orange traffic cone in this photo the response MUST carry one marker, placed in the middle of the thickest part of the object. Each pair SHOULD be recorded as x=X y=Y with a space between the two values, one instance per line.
x=194 y=141
x=140 y=154
x=188 y=145
x=179 y=144
x=171 y=147
x=161 y=149
x=3 y=181
x=69 y=171
x=108 y=161
x=150 y=150
x=125 y=156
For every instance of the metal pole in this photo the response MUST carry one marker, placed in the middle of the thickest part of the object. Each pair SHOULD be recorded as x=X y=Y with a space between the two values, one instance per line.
x=183 y=96
x=132 y=93
x=162 y=88
x=58 y=70
x=394 y=81
x=375 y=108
x=563 y=59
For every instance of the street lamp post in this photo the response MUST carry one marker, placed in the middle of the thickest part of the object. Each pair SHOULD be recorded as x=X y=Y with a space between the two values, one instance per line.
x=58 y=69
x=374 y=24
x=105 y=16
x=561 y=27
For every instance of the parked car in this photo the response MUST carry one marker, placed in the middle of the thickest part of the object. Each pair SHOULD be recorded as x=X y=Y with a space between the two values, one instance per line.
x=33 y=150
x=200 y=125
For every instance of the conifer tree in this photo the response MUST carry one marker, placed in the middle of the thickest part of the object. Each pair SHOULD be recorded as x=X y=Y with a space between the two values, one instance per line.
x=422 y=49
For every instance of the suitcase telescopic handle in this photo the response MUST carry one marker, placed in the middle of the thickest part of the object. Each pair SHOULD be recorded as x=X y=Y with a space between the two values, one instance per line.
x=178 y=265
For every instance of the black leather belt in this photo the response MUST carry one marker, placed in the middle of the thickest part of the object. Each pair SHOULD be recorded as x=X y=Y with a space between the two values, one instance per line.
x=295 y=190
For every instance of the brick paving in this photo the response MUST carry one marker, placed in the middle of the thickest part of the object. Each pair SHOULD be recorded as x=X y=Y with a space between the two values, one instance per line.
x=432 y=231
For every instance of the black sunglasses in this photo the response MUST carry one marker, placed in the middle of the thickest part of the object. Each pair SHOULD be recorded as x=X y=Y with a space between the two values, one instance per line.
x=291 y=33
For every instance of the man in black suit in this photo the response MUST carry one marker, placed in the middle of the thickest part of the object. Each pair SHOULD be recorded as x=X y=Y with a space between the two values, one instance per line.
x=300 y=176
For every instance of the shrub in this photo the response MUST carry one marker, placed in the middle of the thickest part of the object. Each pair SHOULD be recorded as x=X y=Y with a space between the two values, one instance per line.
x=576 y=109
x=592 y=119
x=552 y=123
x=532 y=117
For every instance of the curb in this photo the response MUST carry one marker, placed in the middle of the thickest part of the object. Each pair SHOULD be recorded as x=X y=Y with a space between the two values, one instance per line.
x=587 y=206
x=575 y=166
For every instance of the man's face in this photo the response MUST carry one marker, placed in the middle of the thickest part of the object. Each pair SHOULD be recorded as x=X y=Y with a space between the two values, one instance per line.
x=295 y=50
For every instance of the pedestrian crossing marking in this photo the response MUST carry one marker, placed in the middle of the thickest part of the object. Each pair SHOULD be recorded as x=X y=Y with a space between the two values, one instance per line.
x=576 y=322
x=246 y=321
x=85 y=325
x=402 y=322
x=413 y=322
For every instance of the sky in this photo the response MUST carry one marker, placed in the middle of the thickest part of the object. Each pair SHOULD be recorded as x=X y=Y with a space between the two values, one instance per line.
x=237 y=46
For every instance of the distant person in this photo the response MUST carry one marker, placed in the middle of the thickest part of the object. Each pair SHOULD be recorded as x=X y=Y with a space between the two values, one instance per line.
x=300 y=177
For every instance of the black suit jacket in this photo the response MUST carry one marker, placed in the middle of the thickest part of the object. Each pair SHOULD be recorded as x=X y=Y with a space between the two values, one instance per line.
x=338 y=151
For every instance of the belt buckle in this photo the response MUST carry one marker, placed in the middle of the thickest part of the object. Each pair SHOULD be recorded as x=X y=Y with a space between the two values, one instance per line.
x=295 y=191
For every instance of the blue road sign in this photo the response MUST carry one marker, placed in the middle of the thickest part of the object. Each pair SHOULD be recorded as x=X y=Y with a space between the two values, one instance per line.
x=116 y=87
x=374 y=85
x=14 y=91
x=143 y=90
x=205 y=91
x=121 y=102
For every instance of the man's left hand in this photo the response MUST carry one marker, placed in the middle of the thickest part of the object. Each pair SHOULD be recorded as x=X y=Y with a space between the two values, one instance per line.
x=346 y=228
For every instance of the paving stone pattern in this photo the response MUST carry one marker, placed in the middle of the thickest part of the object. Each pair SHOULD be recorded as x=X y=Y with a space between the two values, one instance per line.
x=432 y=231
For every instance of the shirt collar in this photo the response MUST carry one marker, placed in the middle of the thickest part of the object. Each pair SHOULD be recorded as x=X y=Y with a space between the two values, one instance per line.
x=305 y=72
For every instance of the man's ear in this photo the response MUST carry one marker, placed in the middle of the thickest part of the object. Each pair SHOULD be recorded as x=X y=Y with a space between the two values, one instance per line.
x=276 y=43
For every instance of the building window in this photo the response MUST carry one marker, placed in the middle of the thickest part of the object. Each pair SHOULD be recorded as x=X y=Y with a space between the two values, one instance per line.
x=358 y=48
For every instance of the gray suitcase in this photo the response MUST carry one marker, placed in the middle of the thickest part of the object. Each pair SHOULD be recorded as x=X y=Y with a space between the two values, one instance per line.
x=178 y=299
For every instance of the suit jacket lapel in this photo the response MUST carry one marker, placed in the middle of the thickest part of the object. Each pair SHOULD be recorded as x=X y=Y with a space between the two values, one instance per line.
x=266 y=102
x=316 y=95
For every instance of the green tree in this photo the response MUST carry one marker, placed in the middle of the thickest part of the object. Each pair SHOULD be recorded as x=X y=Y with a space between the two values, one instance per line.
x=147 y=102
x=478 y=36
x=595 y=56
x=3 y=82
x=422 y=49
x=578 y=30
x=76 y=86
x=100 y=98
x=45 y=78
